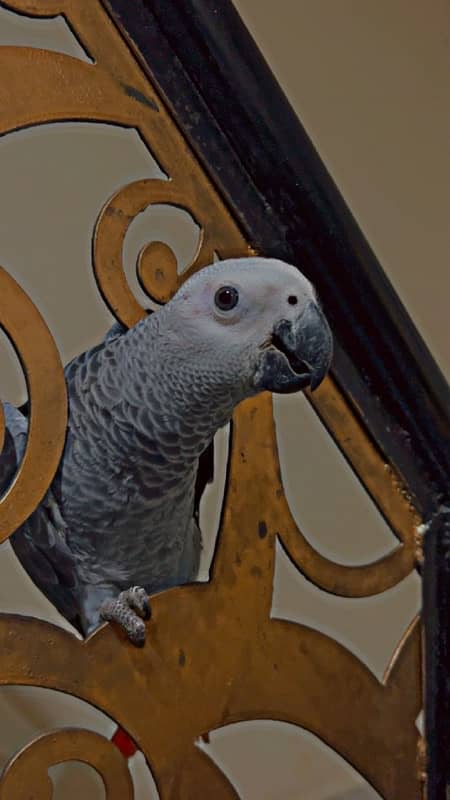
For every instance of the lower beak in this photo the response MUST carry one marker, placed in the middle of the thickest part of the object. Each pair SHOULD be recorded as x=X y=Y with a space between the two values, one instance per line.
x=299 y=354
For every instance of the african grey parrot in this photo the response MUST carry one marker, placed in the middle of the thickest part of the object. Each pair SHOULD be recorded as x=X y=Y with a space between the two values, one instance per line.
x=120 y=520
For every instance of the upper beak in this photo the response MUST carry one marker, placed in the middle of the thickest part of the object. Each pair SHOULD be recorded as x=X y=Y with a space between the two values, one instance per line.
x=299 y=353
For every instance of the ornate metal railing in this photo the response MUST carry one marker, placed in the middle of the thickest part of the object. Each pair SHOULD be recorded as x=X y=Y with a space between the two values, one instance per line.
x=162 y=68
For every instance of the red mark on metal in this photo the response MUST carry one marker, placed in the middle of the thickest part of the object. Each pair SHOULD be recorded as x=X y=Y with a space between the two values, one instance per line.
x=124 y=743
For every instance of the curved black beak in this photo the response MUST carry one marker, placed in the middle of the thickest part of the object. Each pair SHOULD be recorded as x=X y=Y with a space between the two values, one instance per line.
x=298 y=355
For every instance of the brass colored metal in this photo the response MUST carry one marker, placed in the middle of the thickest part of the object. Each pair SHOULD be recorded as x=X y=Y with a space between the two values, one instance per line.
x=37 y=352
x=214 y=656
x=157 y=271
x=110 y=233
x=379 y=480
x=422 y=765
x=26 y=774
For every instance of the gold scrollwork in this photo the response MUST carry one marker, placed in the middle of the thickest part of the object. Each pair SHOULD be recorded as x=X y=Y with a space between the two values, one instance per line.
x=385 y=490
x=166 y=695
x=26 y=775
x=39 y=357
x=263 y=668
x=37 y=8
x=156 y=266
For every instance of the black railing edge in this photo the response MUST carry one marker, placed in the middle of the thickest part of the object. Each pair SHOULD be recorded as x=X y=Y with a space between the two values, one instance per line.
x=237 y=118
x=436 y=615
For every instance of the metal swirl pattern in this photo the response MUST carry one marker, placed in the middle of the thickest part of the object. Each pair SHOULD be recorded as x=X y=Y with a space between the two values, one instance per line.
x=156 y=267
x=26 y=775
x=34 y=345
x=167 y=695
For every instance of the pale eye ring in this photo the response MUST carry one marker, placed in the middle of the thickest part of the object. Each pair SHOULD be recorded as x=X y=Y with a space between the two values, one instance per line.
x=226 y=298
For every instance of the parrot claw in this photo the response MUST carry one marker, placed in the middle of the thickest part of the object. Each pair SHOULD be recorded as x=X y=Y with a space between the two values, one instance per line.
x=129 y=610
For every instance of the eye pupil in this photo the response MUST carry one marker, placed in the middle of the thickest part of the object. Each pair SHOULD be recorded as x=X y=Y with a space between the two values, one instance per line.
x=226 y=298
x=292 y=300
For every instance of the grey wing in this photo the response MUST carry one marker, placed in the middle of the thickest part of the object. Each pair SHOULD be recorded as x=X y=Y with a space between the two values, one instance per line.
x=190 y=557
x=116 y=330
x=40 y=543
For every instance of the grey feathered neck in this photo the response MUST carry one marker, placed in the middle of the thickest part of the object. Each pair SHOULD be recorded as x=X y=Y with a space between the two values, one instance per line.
x=158 y=392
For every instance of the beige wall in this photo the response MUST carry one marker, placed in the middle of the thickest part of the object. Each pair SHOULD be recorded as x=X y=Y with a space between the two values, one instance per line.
x=370 y=81
x=367 y=78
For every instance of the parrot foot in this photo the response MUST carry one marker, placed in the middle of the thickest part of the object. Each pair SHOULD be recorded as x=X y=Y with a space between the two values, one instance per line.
x=129 y=610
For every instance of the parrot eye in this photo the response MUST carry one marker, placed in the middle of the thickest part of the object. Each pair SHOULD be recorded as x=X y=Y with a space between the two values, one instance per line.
x=292 y=300
x=226 y=298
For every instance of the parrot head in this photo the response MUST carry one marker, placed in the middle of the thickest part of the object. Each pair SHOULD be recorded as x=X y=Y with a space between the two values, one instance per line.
x=256 y=320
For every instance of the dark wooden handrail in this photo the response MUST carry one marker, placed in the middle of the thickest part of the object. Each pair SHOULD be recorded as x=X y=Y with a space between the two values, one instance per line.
x=236 y=117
